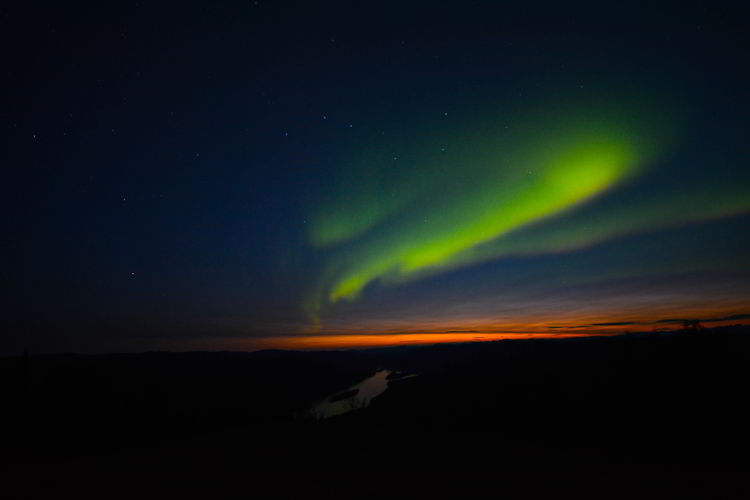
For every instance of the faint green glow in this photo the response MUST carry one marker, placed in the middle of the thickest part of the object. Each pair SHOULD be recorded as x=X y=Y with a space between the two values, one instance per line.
x=362 y=197
x=367 y=209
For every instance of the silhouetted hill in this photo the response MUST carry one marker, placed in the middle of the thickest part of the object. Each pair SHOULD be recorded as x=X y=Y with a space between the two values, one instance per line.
x=633 y=416
x=75 y=400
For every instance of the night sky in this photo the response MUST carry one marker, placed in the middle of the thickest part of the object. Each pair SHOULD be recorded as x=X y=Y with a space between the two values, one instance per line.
x=245 y=175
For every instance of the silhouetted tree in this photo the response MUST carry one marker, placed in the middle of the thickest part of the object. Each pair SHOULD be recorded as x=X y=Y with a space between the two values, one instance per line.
x=692 y=324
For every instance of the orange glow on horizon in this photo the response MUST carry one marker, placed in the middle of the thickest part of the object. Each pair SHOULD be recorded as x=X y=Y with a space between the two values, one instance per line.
x=305 y=342
x=470 y=332
x=476 y=331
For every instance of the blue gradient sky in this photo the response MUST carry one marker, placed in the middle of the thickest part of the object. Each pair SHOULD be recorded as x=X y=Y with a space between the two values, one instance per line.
x=253 y=176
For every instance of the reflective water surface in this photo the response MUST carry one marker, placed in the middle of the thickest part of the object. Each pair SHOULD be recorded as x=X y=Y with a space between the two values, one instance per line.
x=365 y=391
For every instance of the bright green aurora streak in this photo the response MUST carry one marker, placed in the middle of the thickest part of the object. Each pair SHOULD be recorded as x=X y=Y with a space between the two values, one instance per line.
x=437 y=198
x=555 y=180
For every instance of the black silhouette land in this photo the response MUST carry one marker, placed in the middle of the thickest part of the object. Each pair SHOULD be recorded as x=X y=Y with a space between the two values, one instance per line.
x=641 y=415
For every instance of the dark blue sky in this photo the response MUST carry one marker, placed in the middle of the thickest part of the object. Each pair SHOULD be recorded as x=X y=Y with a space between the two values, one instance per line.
x=164 y=166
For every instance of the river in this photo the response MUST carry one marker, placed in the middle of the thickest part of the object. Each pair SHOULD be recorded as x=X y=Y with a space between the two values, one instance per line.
x=365 y=390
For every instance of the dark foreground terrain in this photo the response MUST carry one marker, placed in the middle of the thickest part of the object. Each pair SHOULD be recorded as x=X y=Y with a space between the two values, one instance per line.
x=636 y=416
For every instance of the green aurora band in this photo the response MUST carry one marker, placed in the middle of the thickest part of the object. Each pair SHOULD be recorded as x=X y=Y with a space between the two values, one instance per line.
x=436 y=198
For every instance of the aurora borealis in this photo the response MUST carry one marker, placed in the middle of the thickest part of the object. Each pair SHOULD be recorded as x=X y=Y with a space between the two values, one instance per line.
x=321 y=177
x=543 y=188
x=494 y=183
